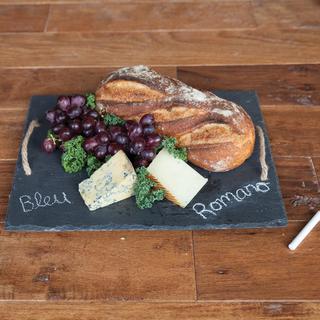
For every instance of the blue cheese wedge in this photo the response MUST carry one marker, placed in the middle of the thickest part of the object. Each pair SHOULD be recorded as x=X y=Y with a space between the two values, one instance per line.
x=111 y=183
x=180 y=182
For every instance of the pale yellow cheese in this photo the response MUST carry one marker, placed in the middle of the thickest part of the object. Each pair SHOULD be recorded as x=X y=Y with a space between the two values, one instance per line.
x=111 y=183
x=180 y=181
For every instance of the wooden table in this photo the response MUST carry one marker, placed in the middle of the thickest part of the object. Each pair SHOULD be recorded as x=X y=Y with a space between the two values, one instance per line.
x=65 y=46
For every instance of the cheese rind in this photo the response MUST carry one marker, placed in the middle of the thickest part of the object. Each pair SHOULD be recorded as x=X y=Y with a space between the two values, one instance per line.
x=180 y=181
x=111 y=183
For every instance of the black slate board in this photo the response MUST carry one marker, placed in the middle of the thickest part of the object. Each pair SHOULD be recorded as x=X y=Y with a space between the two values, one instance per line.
x=246 y=202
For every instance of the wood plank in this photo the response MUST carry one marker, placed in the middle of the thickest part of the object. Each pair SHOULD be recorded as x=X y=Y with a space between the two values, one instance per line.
x=114 y=266
x=275 y=84
x=11 y=123
x=23 y=18
x=251 y=47
x=163 y=311
x=288 y=13
x=297 y=177
x=4 y=2
x=20 y=84
x=256 y=264
x=128 y=17
x=7 y=169
x=293 y=130
x=316 y=166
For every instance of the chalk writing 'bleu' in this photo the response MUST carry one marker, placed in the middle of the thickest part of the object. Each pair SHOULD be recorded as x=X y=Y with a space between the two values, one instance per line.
x=29 y=203
x=223 y=201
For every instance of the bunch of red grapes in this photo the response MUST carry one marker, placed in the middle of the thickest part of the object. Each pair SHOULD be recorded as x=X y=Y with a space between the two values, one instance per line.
x=71 y=117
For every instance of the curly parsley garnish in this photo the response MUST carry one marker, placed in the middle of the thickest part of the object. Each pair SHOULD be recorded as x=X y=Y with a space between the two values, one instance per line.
x=170 y=144
x=111 y=120
x=144 y=189
x=74 y=156
x=91 y=100
x=93 y=164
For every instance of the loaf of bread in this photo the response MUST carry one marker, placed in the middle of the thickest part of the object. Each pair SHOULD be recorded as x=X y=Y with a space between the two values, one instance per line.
x=218 y=134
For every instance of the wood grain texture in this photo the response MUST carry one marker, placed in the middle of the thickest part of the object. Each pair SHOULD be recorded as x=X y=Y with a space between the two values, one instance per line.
x=275 y=84
x=97 y=266
x=128 y=17
x=246 y=264
x=294 y=130
x=297 y=177
x=263 y=46
x=316 y=166
x=288 y=13
x=160 y=311
x=19 y=85
x=7 y=169
x=11 y=123
x=23 y=18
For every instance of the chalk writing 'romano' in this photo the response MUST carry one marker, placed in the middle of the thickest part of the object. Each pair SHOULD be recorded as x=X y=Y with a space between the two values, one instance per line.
x=37 y=201
x=223 y=201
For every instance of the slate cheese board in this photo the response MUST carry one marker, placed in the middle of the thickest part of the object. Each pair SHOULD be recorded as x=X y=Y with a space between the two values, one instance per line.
x=48 y=200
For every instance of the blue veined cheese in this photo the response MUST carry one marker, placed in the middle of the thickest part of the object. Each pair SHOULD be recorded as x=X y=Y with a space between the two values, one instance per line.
x=111 y=183
x=180 y=182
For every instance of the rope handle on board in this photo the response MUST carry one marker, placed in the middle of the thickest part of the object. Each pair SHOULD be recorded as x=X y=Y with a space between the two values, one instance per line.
x=262 y=156
x=24 y=149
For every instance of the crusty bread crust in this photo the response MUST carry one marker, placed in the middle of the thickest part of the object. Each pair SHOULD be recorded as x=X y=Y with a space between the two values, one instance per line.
x=218 y=134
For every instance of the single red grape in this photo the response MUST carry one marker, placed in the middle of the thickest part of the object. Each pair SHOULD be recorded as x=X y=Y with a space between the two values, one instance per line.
x=129 y=124
x=153 y=140
x=114 y=131
x=60 y=116
x=113 y=148
x=138 y=145
x=63 y=103
x=76 y=126
x=147 y=119
x=78 y=101
x=74 y=112
x=148 y=129
x=50 y=116
x=56 y=129
x=89 y=144
x=101 y=151
x=65 y=134
x=103 y=137
x=88 y=123
x=94 y=114
x=88 y=133
x=122 y=139
x=148 y=154
x=135 y=131
x=100 y=126
x=48 y=145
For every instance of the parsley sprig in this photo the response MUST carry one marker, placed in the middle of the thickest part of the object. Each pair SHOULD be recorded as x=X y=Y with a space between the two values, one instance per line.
x=74 y=156
x=145 y=190
x=93 y=164
x=112 y=120
x=91 y=100
x=170 y=144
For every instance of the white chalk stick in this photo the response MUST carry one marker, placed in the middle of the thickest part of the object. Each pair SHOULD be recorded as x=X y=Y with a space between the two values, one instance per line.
x=305 y=231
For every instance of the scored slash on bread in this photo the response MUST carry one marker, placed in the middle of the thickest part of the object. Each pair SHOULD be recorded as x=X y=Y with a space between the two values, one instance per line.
x=218 y=134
